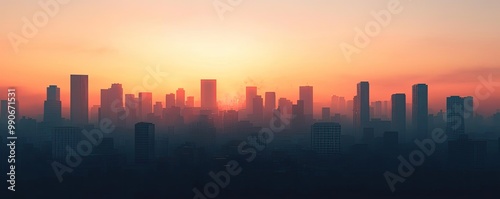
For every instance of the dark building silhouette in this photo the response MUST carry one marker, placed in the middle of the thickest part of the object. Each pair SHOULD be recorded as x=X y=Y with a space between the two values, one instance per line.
x=209 y=95
x=258 y=109
x=79 y=102
x=111 y=103
x=52 y=106
x=190 y=101
x=306 y=95
x=420 y=110
x=251 y=93
x=398 y=120
x=269 y=105
x=65 y=139
x=170 y=100
x=455 y=123
x=298 y=120
x=368 y=134
x=180 y=98
x=363 y=92
x=158 y=109
x=464 y=153
x=325 y=138
x=145 y=103
x=144 y=142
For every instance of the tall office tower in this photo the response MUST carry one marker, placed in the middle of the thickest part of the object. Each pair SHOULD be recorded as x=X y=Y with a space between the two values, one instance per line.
x=455 y=123
x=63 y=137
x=144 y=142
x=377 y=109
x=342 y=105
x=325 y=138
x=325 y=114
x=131 y=109
x=398 y=115
x=334 y=105
x=306 y=95
x=111 y=103
x=169 y=100
x=158 y=109
x=258 y=109
x=209 y=95
x=145 y=105
x=190 y=101
x=469 y=114
x=181 y=97
x=79 y=102
x=52 y=106
x=269 y=105
x=251 y=92
x=420 y=110
x=363 y=93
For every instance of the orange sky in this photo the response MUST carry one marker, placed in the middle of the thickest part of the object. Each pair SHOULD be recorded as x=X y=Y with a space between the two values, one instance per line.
x=276 y=45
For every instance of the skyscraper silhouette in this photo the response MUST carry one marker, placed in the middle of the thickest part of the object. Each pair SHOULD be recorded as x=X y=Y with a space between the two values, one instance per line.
x=111 y=103
x=190 y=101
x=144 y=142
x=455 y=122
x=325 y=138
x=209 y=95
x=420 y=104
x=52 y=106
x=145 y=105
x=306 y=95
x=180 y=97
x=251 y=92
x=398 y=118
x=79 y=102
x=363 y=93
x=170 y=100
x=258 y=109
x=269 y=105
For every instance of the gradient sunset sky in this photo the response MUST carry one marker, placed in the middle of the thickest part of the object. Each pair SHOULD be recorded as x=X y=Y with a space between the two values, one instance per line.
x=276 y=45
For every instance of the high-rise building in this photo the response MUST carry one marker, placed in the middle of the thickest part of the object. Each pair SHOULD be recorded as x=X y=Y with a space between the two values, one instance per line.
x=181 y=97
x=209 y=95
x=325 y=138
x=398 y=117
x=111 y=103
x=145 y=105
x=62 y=138
x=158 y=109
x=52 y=106
x=269 y=105
x=377 y=109
x=420 y=110
x=469 y=114
x=170 y=100
x=455 y=121
x=363 y=103
x=190 y=101
x=144 y=142
x=258 y=109
x=306 y=95
x=251 y=92
x=79 y=102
